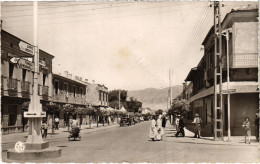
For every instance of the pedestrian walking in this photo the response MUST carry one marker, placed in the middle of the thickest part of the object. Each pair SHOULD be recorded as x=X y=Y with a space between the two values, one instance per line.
x=197 y=121
x=247 y=129
x=56 y=121
x=153 y=129
x=181 y=128
x=44 y=129
x=163 y=121
x=109 y=120
x=160 y=130
x=257 y=126
x=177 y=122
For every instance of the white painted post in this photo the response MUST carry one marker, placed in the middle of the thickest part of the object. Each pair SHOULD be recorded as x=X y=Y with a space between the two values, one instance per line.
x=35 y=105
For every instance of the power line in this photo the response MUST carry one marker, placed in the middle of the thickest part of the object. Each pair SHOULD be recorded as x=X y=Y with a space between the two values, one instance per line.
x=98 y=13
x=68 y=11
x=48 y=13
x=195 y=34
x=192 y=35
x=105 y=18
x=187 y=53
x=190 y=47
x=100 y=3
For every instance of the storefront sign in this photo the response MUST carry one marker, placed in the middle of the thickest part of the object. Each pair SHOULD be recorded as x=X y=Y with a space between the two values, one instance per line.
x=14 y=60
x=34 y=114
x=25 y=64
x=26 y=47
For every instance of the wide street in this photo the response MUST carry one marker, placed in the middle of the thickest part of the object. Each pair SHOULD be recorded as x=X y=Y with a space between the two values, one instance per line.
x=131 y=144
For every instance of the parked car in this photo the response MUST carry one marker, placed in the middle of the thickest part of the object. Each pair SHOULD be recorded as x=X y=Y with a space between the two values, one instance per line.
x=123 y=121
x=131 y=120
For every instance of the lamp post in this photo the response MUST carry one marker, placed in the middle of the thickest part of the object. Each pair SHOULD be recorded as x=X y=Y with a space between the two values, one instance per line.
x=226 y=34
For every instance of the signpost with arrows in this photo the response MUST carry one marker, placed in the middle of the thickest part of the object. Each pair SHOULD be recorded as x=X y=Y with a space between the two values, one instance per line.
x=35 y=147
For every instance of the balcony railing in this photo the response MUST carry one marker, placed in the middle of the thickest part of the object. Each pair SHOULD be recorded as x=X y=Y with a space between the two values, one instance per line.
x=45 y=90
x=25 y=86
x=12 y=83
x=241 y=60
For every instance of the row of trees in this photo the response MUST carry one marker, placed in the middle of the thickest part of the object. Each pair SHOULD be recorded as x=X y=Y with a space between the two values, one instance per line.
x=131 y=105
x=54 y=109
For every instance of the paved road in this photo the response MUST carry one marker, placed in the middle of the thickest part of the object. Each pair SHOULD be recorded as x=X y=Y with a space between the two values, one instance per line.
x=131 y=144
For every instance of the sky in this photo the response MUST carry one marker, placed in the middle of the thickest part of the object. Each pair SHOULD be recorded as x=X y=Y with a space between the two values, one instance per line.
x=123 y=45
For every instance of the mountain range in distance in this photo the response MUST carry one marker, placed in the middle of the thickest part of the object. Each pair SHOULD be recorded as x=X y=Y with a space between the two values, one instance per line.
x=154 y=98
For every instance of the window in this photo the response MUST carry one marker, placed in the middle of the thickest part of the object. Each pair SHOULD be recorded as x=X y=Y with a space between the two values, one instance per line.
x=81 y=92
x=12 y=111
x=74 y=91
x=66 y=88
x=44 y=78
x=24 y=74
x=99 y=95
x=56 y=87
x=11 y=69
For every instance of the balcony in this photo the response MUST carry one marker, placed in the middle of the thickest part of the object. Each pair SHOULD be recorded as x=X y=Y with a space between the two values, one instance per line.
x=25 y=86
x=241 y=60
x=12 y=83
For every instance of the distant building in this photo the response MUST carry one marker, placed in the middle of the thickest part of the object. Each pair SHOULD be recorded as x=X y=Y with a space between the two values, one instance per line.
x=243 y=49
x=97 y=95
x=16 y=80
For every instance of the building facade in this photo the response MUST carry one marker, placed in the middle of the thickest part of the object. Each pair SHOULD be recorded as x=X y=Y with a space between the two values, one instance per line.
x=68 y=90
x=97 y=95
x=16 y=80
x=243 y=54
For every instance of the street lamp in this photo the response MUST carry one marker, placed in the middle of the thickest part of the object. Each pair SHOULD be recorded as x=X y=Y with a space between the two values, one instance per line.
x=226 y=33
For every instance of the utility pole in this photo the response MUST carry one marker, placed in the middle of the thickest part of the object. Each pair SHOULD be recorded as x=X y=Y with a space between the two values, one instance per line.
x=170 y=79
x=218 y=98
x=228 y=96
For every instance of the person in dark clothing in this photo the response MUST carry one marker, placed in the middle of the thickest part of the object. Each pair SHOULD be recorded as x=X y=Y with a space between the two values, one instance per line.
x=163 y=122
x=181 y=128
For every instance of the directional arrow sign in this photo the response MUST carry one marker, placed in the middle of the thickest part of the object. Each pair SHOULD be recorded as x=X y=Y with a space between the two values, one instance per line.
x=14 y=60
x=26 y=64
x=26 y=47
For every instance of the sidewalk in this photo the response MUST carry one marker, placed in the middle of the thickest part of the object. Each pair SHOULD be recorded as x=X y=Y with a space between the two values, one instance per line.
x=61 y=133
x=170 y=132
